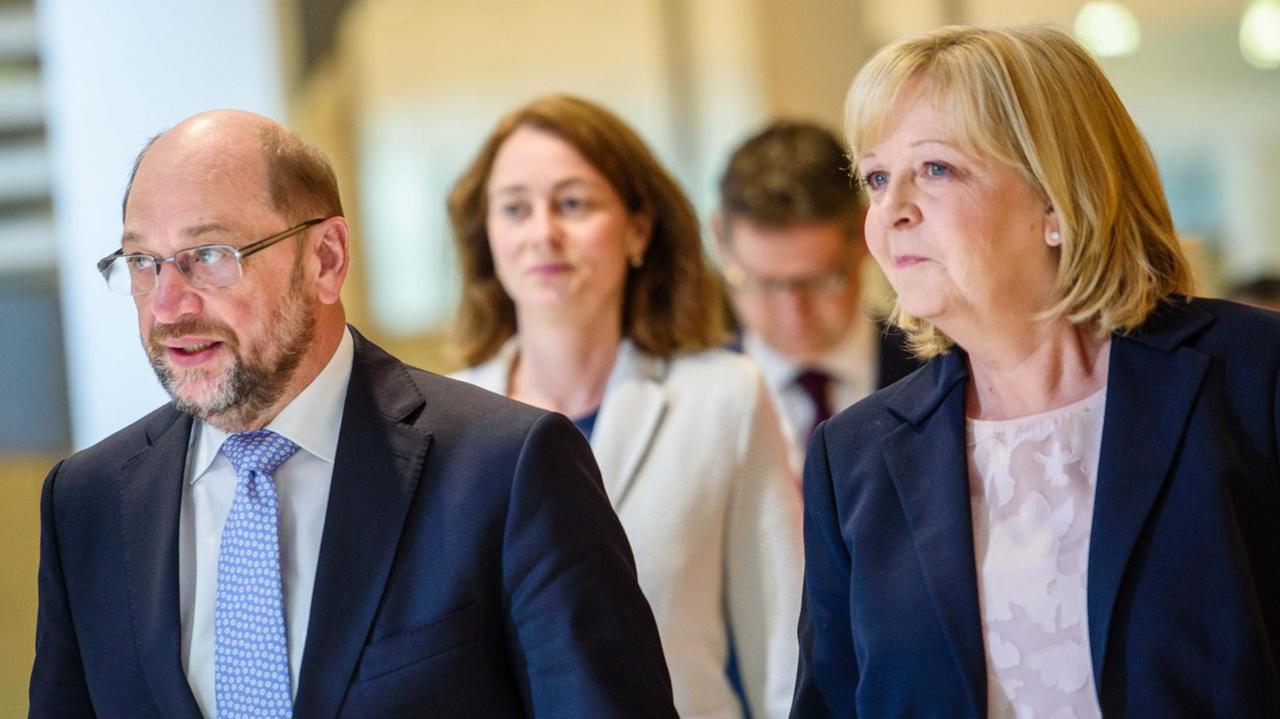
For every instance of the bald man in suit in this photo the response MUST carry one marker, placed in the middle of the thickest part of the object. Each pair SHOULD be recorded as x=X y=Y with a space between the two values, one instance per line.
x=310 y=527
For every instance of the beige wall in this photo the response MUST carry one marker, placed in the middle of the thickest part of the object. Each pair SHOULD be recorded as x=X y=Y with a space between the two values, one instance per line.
x=19 y=550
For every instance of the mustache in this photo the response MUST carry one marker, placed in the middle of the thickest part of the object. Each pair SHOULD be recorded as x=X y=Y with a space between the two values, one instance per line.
x=161 y=332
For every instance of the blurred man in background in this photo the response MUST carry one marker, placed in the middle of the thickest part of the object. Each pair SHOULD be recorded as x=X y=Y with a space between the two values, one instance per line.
x=789 y=230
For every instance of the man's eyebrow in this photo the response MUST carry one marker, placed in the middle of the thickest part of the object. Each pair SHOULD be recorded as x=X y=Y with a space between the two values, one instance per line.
x=205 y=229
x=133 y=237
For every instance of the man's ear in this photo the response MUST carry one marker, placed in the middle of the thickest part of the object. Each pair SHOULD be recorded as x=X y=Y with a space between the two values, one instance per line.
x=332 y=259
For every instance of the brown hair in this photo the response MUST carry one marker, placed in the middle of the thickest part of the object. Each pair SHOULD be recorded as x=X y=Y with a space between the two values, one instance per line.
x=1032 y=98
x=787 y=174
x=300 y=179
x=670 y=304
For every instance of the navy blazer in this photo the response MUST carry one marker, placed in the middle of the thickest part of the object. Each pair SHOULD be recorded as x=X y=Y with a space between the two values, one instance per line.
x=1184 y=559
x=470 y=566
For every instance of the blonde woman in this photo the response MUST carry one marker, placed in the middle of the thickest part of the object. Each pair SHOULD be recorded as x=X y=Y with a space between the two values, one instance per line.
x=585 y=291
x=1070 y=511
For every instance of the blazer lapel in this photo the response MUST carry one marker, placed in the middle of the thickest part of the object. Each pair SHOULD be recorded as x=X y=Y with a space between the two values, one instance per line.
x=150 y=504
x=379 y=461
x=926 y=458
x=1152 y=384
x=635 y=403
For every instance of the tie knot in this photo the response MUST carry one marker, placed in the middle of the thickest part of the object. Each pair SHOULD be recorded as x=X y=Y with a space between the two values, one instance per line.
x=262 y=451
x=814 y=382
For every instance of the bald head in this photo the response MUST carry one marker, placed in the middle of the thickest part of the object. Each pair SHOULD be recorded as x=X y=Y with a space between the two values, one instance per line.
x=296 y=177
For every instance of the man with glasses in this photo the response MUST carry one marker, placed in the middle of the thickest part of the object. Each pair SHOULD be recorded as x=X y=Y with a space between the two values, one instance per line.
x=789 y=232
x=311 y=528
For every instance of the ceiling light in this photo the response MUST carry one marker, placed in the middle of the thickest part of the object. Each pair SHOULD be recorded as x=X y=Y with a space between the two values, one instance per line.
x=1260 y=34
x=1108 y=29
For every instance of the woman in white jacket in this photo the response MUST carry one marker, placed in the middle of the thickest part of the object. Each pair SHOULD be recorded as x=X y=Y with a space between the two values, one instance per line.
x=585 y=291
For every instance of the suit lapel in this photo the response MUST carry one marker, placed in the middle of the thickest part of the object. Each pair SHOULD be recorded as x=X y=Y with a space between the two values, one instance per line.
x=379 y=461
x=634 y=406
x=150 y=505
x=1152 y=384
x=926 y=458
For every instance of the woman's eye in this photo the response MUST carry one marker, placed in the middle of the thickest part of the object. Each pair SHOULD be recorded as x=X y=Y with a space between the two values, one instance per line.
x=875 y=180
x=571 y=205
x=936 y=169
x=511 y=209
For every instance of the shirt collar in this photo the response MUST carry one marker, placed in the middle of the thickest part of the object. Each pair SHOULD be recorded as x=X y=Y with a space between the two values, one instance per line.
x=851 y=360
x=312 y=420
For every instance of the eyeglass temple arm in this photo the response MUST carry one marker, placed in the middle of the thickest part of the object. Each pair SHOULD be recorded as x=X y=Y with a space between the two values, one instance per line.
x=249 y=249
x=265 y=242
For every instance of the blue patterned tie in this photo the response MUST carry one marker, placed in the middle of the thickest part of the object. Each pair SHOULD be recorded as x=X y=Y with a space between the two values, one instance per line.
x=251 y=656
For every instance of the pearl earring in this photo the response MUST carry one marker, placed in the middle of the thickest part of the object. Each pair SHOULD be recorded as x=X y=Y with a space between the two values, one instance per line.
x=636 y=261
x=1055 y=238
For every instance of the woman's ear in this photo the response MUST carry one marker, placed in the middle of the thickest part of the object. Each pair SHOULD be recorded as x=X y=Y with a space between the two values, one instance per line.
x=638 y=239
x=1052 y=235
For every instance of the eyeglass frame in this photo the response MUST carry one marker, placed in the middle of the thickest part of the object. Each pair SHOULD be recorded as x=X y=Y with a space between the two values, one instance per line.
x=239 y=253
x=739 y=280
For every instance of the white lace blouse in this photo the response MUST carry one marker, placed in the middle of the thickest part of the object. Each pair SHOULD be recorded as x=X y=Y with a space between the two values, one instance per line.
x=1031 y=490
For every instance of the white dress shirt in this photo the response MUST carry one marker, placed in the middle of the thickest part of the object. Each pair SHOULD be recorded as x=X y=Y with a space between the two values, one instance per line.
x=852 y=364
x=311 y=421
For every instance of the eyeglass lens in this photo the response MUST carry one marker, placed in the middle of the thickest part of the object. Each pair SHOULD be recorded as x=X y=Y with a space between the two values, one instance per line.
x=204 y=267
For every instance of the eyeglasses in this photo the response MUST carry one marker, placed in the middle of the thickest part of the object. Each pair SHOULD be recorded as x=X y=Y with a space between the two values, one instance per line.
x=204 y=267
x=827 y=282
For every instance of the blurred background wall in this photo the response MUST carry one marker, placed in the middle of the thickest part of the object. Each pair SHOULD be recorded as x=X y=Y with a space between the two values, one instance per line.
x=400 y=94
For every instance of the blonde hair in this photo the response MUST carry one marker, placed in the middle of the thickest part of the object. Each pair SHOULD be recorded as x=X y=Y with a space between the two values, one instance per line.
x=671 y=303
x=1032 y=98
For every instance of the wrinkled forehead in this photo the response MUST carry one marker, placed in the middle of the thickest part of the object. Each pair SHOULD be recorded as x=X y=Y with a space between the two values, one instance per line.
x=172 y=179
x=204 y=204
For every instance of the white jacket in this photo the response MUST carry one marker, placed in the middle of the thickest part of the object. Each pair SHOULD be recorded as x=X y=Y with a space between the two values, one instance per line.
x=695 y=464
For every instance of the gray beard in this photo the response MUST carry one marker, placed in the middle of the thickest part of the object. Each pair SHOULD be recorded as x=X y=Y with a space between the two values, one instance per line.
x=250 y=387
x=243 y=394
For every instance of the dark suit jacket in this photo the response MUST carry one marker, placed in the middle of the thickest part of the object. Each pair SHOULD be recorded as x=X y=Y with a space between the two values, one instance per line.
x=470 y=566
x=1184 y=561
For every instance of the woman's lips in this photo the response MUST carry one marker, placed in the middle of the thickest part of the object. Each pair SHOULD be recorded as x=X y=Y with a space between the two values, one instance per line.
x=905 y=261
x=547 y=269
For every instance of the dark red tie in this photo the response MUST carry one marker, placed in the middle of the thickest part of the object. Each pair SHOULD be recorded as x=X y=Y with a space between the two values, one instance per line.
x=816 y=384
